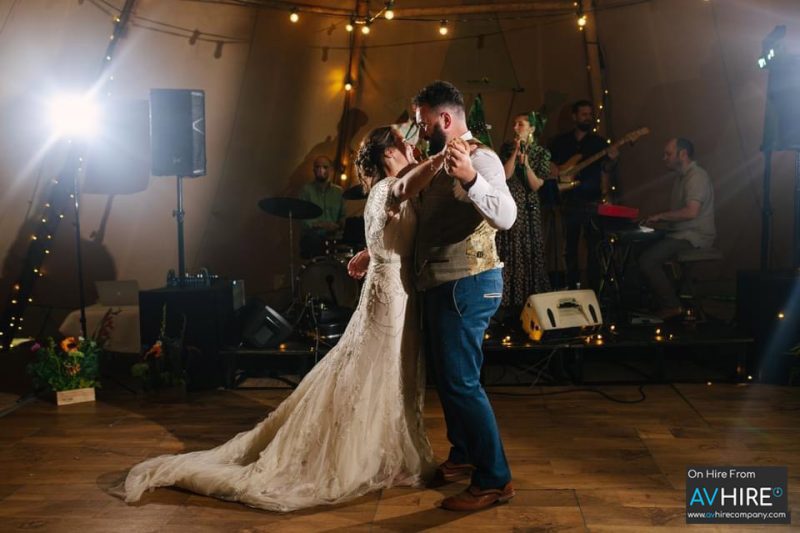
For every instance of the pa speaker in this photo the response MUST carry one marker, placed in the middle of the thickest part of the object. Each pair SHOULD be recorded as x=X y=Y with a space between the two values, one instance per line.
x=782 y=118
x=263 y=327
x=565 y=312
x=178 y=132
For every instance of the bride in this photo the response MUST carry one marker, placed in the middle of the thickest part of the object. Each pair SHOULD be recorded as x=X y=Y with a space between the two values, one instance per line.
x=354 y=424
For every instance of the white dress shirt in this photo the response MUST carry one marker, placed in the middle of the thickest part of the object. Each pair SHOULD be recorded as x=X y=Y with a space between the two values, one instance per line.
x=489 y=194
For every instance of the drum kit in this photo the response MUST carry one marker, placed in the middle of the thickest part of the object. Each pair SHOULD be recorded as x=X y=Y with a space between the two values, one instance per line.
x=322 y=291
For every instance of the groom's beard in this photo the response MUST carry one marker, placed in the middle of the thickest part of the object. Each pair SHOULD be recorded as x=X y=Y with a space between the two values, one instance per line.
x=437 y=140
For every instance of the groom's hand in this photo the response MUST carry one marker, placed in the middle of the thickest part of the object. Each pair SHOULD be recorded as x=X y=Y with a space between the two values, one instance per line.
x=458 y=163
x=357 y=267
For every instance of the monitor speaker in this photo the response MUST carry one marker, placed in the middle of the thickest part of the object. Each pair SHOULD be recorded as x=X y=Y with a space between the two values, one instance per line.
x=263 y=327
x=564 y=312
x=178 y=132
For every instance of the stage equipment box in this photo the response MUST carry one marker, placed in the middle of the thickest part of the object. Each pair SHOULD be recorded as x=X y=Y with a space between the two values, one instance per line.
x=211 y=318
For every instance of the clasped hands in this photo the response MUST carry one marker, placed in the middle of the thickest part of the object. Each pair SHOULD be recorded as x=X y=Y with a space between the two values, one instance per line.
x=457 y=162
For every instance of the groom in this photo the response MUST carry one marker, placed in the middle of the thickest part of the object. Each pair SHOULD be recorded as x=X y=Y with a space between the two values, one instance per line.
x=460 y=276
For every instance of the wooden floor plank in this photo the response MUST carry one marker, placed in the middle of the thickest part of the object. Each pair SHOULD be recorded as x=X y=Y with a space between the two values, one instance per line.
x=580 y=461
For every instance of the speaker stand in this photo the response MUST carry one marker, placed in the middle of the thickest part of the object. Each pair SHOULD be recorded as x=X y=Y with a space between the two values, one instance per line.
x=179 y=215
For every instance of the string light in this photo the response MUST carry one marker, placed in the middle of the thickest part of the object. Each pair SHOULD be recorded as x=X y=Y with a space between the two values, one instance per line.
x=365 y=28
x=443 y=27
x=348 y=87
x=581 y=21
x=349 y=26
x=294 y=16
x=343 y=177
x=389 y=13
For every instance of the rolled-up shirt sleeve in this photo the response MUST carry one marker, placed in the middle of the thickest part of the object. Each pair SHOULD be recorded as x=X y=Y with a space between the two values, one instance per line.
x=489 y=193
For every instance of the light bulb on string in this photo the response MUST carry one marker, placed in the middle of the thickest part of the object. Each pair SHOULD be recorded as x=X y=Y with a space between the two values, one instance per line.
x=294 y=16
x=443 y=27
x=365 y=28
x=349 y=26
x=348 y=86
x=389 y=13
x=581 y=21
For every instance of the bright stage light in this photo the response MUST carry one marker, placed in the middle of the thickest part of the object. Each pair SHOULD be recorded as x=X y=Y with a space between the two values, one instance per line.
x=74 y=115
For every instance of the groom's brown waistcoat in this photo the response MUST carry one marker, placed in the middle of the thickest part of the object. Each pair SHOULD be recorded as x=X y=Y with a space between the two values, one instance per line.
x=453 y=239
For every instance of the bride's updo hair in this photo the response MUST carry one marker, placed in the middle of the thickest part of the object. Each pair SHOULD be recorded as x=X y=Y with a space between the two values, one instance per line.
x=369 y=160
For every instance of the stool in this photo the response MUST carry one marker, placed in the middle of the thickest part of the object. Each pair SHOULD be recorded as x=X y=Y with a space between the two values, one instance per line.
x=682 y=268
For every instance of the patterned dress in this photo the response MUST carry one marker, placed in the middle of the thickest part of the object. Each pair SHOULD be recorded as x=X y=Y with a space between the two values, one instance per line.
x=353 y=425
x=521 y=248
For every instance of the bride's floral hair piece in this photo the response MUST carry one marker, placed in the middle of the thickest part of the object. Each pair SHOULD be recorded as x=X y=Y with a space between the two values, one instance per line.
x=369 y=160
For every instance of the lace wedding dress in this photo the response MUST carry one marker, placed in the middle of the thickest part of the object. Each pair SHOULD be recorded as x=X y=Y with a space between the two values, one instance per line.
x=353 y=425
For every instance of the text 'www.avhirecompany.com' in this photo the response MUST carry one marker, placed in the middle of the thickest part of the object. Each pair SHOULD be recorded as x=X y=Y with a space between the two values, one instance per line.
x=737 y=495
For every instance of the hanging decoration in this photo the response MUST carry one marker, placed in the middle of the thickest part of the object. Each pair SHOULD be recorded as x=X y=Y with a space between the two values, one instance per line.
x=476 y=122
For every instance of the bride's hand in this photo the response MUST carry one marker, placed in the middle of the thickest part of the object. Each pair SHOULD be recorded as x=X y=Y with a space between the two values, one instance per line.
x=357 y=267
x=410 y=153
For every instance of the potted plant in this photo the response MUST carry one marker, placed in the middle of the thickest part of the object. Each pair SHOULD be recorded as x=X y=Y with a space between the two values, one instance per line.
x=70 y=368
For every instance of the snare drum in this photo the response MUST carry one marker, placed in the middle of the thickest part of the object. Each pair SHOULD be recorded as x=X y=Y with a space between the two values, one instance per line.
x=325 y=279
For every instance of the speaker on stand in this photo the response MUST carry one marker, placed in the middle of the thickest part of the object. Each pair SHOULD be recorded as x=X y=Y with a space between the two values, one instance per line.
x=178 y=146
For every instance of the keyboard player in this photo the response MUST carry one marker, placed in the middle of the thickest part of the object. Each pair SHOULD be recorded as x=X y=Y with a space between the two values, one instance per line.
x=689 y=223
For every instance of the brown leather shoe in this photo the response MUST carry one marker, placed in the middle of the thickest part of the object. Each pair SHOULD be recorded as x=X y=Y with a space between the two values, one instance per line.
x=449 y=472
x=475 y=499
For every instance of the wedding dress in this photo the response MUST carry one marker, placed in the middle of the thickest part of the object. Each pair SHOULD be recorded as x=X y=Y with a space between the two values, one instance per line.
x=354 y=423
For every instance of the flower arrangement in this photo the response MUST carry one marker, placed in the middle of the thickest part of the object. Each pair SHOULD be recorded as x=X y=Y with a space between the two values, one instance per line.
x=162 y=364
x=70 y=364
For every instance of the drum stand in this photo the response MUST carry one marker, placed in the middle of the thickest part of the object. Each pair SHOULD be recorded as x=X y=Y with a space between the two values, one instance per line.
x=291 y=254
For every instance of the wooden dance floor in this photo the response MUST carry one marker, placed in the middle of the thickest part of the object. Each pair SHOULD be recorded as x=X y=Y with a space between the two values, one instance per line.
x=581 y=462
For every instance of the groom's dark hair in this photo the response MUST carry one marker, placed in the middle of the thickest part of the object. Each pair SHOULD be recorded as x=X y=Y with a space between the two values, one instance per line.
x=440 y=93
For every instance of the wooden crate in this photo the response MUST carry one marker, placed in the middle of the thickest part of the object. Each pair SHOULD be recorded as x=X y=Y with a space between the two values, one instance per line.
x=66 y=397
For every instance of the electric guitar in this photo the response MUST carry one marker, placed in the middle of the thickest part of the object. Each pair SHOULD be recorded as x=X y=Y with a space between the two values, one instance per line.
x=575 y=164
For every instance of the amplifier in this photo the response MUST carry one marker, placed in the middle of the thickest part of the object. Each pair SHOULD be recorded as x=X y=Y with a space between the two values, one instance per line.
x=211 y=318
x=565 y=312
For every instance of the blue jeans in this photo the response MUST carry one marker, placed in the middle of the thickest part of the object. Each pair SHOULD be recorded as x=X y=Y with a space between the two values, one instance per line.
x=456 y=315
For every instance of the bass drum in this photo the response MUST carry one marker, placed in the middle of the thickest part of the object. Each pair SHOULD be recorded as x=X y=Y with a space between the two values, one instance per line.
x=325 y=279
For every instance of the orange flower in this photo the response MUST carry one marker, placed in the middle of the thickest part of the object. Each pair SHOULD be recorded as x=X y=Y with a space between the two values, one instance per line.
x=155 y=350
x=70 y=344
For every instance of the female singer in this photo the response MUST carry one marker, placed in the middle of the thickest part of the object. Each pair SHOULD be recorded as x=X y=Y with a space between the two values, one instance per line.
x=521 y=248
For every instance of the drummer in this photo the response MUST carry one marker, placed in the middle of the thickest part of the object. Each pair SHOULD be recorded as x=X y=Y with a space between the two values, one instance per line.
x=328 y=196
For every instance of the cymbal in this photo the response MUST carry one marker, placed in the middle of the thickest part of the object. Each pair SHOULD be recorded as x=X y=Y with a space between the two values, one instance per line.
x=355 y=192
x=294 y=207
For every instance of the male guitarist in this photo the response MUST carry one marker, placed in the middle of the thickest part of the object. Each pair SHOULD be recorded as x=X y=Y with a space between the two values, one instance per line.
x=579 y=192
